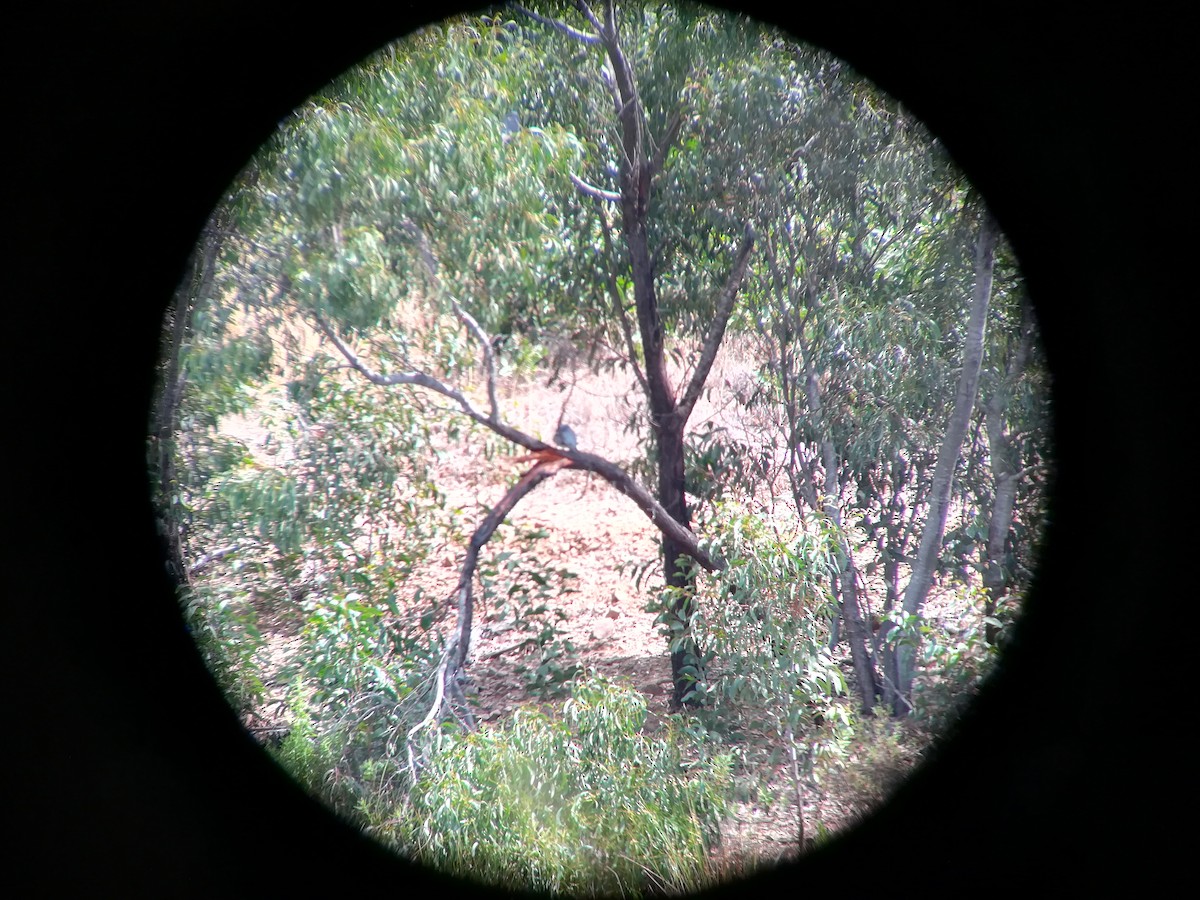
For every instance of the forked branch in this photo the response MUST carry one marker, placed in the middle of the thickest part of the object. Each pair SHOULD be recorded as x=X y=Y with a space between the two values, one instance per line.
x=558 y=24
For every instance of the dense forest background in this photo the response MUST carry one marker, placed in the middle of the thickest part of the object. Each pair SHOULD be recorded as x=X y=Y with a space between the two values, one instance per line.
x=121 y=680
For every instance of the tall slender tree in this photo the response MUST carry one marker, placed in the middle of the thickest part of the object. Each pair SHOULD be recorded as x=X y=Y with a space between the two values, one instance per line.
x=641 y=160
x=956 y=431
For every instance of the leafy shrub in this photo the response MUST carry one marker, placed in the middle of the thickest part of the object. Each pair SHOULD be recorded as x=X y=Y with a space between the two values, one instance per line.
x=874 y=761
x=305 y=754
x=764 y=620
x=225 y=628
x=954 y=665
x=585 y=804
x=349 y=756
x=717 y=464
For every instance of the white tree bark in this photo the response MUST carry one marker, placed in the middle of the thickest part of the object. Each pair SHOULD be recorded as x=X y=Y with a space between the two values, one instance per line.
x=943 y=475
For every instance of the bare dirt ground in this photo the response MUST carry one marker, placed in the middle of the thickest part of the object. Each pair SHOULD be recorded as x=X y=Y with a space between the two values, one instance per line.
x=592 y=530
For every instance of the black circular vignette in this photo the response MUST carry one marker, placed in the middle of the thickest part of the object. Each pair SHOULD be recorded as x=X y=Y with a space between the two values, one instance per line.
x=130 y=774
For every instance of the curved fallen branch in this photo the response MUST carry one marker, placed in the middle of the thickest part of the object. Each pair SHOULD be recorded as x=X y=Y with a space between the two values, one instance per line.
x=590 y=462
x=623 y=482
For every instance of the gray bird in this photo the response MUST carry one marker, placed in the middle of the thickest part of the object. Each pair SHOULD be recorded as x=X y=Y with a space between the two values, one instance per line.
x=565 y=437
x=510 y=126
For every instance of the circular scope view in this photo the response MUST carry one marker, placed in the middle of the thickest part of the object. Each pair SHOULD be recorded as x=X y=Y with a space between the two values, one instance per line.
x=601 y=446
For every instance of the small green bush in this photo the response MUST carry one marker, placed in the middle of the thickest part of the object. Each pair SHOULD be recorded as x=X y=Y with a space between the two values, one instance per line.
x=879 y=756
x=330 y=755
x=305 y=754
x=585 y=804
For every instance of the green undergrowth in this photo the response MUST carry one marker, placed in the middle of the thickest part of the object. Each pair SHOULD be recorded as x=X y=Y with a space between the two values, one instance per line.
x=584 y=804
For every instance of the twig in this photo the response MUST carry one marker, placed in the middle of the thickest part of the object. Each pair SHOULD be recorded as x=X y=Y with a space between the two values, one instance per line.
x=434 y=710
x=497 y=653
x=598 y=193
x=208 y=558
x=791 y=742
x=566 y=29
x=489 y=357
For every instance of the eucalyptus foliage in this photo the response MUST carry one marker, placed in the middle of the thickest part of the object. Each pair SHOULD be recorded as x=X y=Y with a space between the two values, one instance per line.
x=441 y=175
x=525 y=594
x=584 y=805
x=408 y=167
x=764 y=622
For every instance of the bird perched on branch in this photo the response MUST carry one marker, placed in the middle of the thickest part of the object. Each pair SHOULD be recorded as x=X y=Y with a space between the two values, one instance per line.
x=565 y=437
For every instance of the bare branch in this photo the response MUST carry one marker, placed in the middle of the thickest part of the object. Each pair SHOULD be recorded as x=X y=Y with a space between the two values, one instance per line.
x=598 y=193
x=421 y=379
x=439 y=696
x=496 y=654
x=629 y=111
x=536 y=475
x=716 y=330
x=662 y=520
x=208 y=558
x=590 y=16
x=455 y=656
x=489 y=357
x=1029 y=470
x=606 y=76
x=557 y=24
x=485 y=342
x=590 y=462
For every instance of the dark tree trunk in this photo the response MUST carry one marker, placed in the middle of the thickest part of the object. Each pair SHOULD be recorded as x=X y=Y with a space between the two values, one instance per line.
x=678 y=575
x=197 y=284
x=857 y=631
x=668 y=413
x=889 y=676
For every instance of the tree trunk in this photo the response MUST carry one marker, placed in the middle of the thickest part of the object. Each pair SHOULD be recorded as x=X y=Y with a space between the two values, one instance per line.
x=197 y=283
x=1005 y=476
x=667 y=424
x=635 y=183
x=668 y=428
x=668 y=413
x=851 y=612
x=943 y=475
x=686 y=663
x=857 y=630
x=995 y=576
